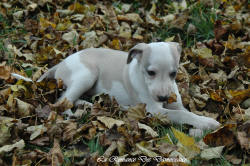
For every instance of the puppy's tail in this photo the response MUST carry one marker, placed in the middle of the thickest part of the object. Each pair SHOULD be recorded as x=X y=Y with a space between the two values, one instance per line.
x=20 y=77
x=49 y=74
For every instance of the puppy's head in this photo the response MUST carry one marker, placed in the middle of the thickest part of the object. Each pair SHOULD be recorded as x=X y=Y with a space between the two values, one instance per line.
x=158 y=62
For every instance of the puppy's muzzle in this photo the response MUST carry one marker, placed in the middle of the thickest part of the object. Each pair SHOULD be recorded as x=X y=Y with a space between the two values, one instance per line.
x=162 y=98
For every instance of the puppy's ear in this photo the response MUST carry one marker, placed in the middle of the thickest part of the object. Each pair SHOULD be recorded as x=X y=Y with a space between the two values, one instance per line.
x=176 y=50
x=136 y=52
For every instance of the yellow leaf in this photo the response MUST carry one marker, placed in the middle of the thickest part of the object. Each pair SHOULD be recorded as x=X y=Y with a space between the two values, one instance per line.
x=183 y=138
x=169 y=39
x=49 y=36
x=216 y=96
x=116 y=44
x=44 y=24
x=77 y=7
x=188 y=147
x=237 y=96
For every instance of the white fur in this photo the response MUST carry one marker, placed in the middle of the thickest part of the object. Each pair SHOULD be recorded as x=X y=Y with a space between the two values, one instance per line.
x=132 y=84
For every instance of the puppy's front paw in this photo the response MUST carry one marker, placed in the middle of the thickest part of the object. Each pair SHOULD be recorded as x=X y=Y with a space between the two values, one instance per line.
x=203 y=122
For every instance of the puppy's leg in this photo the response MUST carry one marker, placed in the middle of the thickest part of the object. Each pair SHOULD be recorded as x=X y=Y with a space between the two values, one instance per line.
x=179 y=114
x=81 y=83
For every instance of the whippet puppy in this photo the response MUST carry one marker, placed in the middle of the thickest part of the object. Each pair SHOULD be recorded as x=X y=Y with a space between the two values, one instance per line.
x=146 y=74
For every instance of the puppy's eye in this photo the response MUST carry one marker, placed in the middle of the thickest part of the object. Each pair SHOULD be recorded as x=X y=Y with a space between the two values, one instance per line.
x=151 y=73
x=173 y=74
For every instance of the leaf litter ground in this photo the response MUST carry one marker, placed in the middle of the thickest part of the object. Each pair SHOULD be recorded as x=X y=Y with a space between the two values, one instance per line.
x=213 y=80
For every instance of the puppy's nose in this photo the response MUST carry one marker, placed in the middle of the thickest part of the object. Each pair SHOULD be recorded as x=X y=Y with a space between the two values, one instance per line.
x=162 y=98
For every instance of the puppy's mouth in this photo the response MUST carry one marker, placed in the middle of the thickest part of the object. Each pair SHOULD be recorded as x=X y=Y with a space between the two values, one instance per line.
x=167 y=99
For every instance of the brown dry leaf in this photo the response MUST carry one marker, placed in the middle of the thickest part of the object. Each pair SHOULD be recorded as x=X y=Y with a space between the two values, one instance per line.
x=5 y=130
x=36 y=131
x=110 y=149
x=62 y=105
x=71 y=37
x=90 y=40
x=165 y=148
x=216 y=95
x=55 y=154
x=243 y=140
x=41 y=141
x=7 y=148
x=224 y=136
x=4 y=71
x=39 y=73
x=219 y=30
x=148 y=129
x=237 y=96
x=137 y=112
x=110 y=122
x=205 y=56
x=150 y=16
x=172 y=98
x=232 y=43
x=24 y=109
x=69 y=132
x=133 y=17
x=212 y=153
x=125 y=30
x=180 y=21
x=146 y=149
x=43 y=112
x=4 y=94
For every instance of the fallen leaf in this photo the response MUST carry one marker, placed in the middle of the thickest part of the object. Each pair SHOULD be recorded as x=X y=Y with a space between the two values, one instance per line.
x=24 y=109
x=244 y=140
x=145 y=150
x=237 y=96
x=137 y=112
x=224 y=136
x=36 y=131
x=69 y=132
x=110 y=122
x=148 y=129
x=55 y=154
x=212 y=153
x=205 y=56
x=5 y=131
x=44 y=24
x=172 y=98
x=90 y=39
x=133 y=17
x=4 y=71
x=41 y=141
x=71 y=37
x=7 y=148
x=186 y=144
x=62 y=105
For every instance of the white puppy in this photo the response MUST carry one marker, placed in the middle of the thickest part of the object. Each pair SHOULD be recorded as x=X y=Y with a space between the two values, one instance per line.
x=146 y=74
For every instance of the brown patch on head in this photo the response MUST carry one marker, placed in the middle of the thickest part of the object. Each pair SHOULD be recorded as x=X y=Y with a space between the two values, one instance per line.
x=138 y=51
